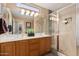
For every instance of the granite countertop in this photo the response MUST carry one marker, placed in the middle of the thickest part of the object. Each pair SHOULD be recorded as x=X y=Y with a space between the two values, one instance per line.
x=16 y=37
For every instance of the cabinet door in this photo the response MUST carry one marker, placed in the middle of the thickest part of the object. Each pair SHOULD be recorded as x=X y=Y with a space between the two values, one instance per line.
x=7 y=49
x=48 y=44
x=42 y=46
x=45 y=45
x=34 y=47
x=22 y=48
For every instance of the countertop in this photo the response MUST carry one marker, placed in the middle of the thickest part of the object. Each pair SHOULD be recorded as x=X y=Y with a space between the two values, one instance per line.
x=16 y=37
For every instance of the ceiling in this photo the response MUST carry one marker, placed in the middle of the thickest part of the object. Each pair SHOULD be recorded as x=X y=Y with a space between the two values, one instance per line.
x=52 y=6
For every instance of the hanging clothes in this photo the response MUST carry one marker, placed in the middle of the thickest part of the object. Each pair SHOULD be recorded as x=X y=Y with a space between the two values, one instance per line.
x=3 y=26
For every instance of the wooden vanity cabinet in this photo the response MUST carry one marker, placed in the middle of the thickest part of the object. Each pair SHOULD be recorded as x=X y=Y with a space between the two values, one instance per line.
x=7 y=49
x=28 y=47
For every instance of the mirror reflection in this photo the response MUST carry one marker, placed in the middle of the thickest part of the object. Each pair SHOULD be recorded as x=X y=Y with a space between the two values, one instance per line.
x=19 y=19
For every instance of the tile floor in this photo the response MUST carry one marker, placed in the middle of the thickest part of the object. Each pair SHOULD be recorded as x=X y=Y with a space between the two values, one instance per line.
x=52 y=53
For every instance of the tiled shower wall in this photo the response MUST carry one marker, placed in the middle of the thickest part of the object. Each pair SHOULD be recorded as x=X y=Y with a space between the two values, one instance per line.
x=67 y=37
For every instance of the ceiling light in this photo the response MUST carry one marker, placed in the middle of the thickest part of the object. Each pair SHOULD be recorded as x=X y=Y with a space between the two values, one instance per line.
x=27 y=12
x=36 y=14
x=32 y=13
x=22 y=11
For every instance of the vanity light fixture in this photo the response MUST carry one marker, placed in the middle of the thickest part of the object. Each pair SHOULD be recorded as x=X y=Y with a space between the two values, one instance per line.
x=36 y=14
x=27 y=12
x=53 y=18
x=32 y=13
x=22 y=11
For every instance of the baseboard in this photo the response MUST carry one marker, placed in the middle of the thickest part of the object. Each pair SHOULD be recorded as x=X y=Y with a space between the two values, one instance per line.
x=57 y=53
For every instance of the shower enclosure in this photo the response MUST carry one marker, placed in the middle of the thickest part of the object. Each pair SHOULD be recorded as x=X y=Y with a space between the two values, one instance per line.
x=68 y=29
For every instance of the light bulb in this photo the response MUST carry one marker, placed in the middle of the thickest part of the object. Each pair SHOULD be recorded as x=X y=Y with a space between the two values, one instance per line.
x=32 y=13
x=27 y=12
x=36 y=14
x=22 y=11
x=50 y=18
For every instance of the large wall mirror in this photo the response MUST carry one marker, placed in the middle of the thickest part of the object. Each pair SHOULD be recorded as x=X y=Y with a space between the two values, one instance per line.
x=17 y=21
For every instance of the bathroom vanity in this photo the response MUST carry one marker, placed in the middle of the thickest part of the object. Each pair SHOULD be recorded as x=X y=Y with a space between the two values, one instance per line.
x=17 y=42
x=27 y=46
